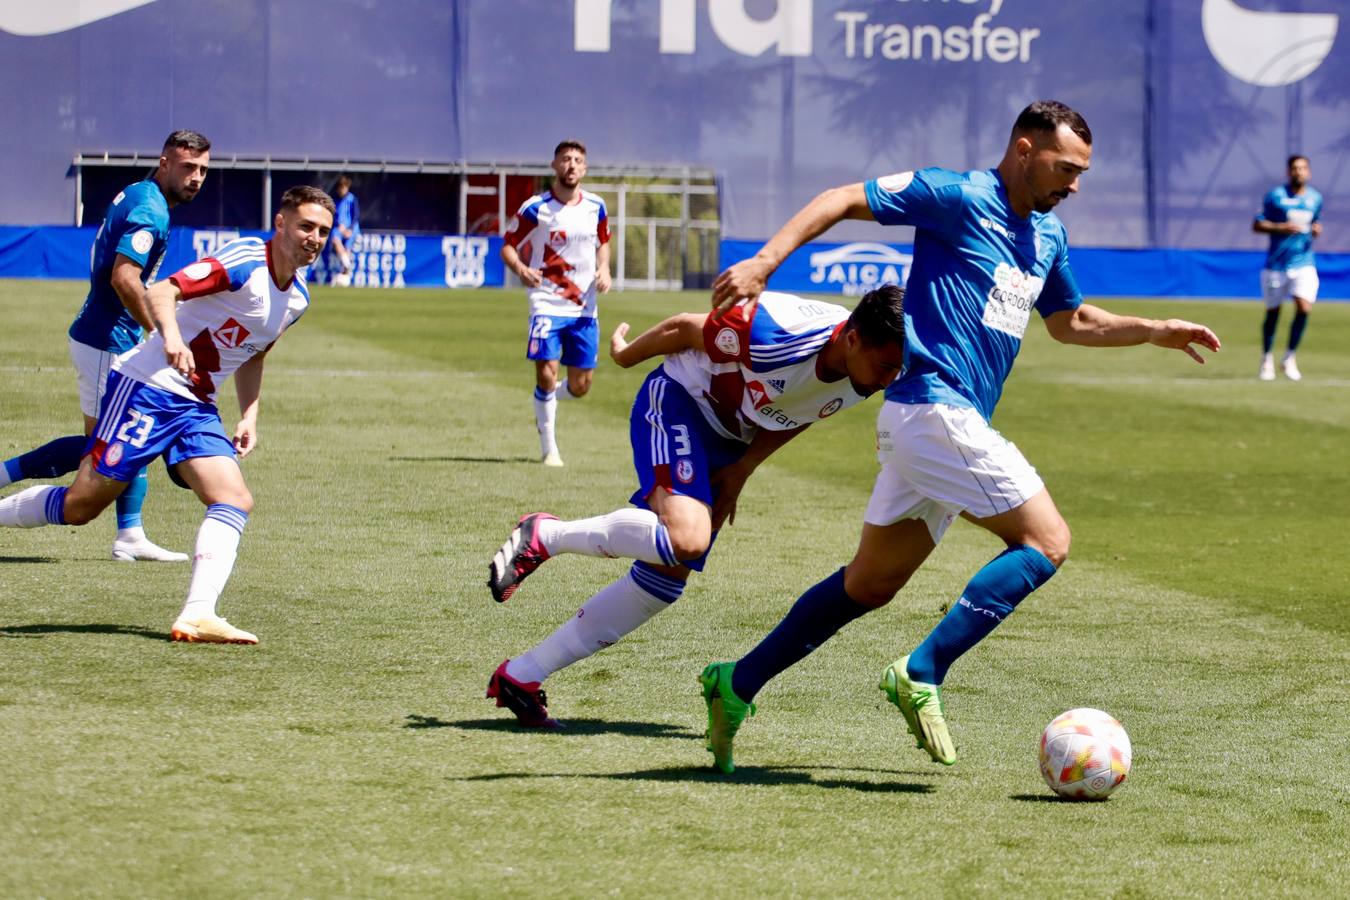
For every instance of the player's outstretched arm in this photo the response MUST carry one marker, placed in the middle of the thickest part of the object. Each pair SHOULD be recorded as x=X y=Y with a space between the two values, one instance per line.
x=248 y=385
x=162 y=300
x=748 y=277
x=680 y=332
x=728 y=481
x=1092 y=326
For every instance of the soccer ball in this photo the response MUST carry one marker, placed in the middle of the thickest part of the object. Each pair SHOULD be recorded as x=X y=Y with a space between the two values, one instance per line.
x=1085 y=754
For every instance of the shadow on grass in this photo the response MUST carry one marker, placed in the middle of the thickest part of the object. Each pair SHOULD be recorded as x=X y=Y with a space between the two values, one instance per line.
x=28 y=559
x=465 y=459
x=573 y=727
x=20 y=631
x=1047 y=798
x=764 y=776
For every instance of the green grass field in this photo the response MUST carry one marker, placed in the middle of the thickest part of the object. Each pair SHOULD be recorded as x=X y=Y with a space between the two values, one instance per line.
x=352 y=753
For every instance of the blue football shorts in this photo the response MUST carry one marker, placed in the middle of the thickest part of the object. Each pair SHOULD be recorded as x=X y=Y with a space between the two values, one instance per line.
x=138 y=423
x=574 y=340
x=674 y=447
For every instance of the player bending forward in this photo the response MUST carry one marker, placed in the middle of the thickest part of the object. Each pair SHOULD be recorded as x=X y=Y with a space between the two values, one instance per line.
x=160 y=399
x=728 y=394
x=987 y=251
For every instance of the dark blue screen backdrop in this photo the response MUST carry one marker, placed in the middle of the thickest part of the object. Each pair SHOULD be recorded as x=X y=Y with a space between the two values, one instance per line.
x=1194 y=105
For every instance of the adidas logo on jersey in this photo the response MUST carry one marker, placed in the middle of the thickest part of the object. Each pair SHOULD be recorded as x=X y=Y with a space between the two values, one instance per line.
x=777 y=384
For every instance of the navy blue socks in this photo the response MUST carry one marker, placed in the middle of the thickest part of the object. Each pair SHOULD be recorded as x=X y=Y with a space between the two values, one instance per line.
x=812 y=621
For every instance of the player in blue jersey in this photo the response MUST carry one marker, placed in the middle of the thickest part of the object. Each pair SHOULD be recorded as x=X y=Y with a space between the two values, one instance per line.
x=126 y=255
x=727 y=395
x=1292 y=215
x=346 y=229
x=987 y=251
x=219 y=316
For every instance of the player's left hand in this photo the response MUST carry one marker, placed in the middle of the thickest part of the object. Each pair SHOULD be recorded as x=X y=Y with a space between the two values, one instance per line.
x=1178 y=334
x=245 y=437
x=727 y=483
x=603 y=281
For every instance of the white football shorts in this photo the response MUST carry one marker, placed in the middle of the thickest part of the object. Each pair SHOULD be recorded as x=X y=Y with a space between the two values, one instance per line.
x=938 y=461
x=1279 y=285
x=91 y=372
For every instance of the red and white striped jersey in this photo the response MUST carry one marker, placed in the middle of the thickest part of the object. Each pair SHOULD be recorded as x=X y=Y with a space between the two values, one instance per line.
x=232 y=310
x=762 y=371
x=561 y=241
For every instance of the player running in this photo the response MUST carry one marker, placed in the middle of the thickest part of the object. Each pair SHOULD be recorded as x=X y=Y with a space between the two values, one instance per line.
x=127 y=252
x=987 y=250
x=728 y=394
x=564 y=233
x=1292 y=215
x=160 y=399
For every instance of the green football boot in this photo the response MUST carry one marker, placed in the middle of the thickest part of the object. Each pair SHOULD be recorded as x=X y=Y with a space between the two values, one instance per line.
x=726 y=712
x=921 y=705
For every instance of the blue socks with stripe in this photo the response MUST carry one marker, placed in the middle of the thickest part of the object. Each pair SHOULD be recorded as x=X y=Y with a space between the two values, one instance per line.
x=989 y=598
x=813 y=620
x=52 y=460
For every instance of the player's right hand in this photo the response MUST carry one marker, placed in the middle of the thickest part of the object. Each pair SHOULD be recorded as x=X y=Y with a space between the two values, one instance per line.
x=178 y=356
x=618 y=342
x=530 y=277
x=743 y=281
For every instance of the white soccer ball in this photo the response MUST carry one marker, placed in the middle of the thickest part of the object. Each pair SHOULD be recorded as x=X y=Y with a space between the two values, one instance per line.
x=1085 y=754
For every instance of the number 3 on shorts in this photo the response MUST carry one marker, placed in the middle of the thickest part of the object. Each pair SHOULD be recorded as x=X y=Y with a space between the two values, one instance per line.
x=142 y=425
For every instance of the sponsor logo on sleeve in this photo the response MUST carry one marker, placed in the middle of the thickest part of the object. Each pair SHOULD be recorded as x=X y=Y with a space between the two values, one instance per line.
x=142 y=241
x=197 y=271
x=728 y=341
x=894 y=184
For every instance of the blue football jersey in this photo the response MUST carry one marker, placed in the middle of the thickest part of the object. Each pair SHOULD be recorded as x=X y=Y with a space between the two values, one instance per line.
x=1291 y=251
x=137 y=227
x=348 y=214
x=978 y=271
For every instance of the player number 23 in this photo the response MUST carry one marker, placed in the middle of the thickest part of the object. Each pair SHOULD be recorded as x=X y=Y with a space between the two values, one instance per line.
x=136 y=429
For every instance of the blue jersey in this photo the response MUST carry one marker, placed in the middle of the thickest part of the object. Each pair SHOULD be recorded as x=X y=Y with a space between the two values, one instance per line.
x=978 y=270
x=348 y=214
x=136 y=226
x=1291 y=251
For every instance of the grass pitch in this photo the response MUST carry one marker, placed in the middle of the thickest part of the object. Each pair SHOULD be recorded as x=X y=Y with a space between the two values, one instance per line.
x=352 y=753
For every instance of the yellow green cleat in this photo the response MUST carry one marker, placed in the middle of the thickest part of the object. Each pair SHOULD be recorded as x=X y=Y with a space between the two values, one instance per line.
x=726 y=712
x=921 y=705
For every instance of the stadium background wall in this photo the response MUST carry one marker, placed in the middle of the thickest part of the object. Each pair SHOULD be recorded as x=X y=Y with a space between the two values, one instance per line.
x=1194 y=106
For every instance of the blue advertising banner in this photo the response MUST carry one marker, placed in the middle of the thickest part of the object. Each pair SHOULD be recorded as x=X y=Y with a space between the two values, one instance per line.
x=1194 y=105
x=855 y=268
x=381 y=260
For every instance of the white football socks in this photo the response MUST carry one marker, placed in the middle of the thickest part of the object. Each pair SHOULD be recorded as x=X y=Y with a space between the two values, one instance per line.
x=29 y=508
x=545 y=415
x=617 y=610
x=213 y=559
x=627 y=533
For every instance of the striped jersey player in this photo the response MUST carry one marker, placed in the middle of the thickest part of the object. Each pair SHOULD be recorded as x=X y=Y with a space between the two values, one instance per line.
x=558 y=245
x=216 y=318
x=729 y=392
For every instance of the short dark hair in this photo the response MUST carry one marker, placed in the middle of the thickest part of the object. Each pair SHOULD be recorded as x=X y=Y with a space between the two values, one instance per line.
x=879 y=318
x=1048 y=115
x=303 y=193
x=343 y=181
x=569 y=144
x=1295 y=158
x=186 y=140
